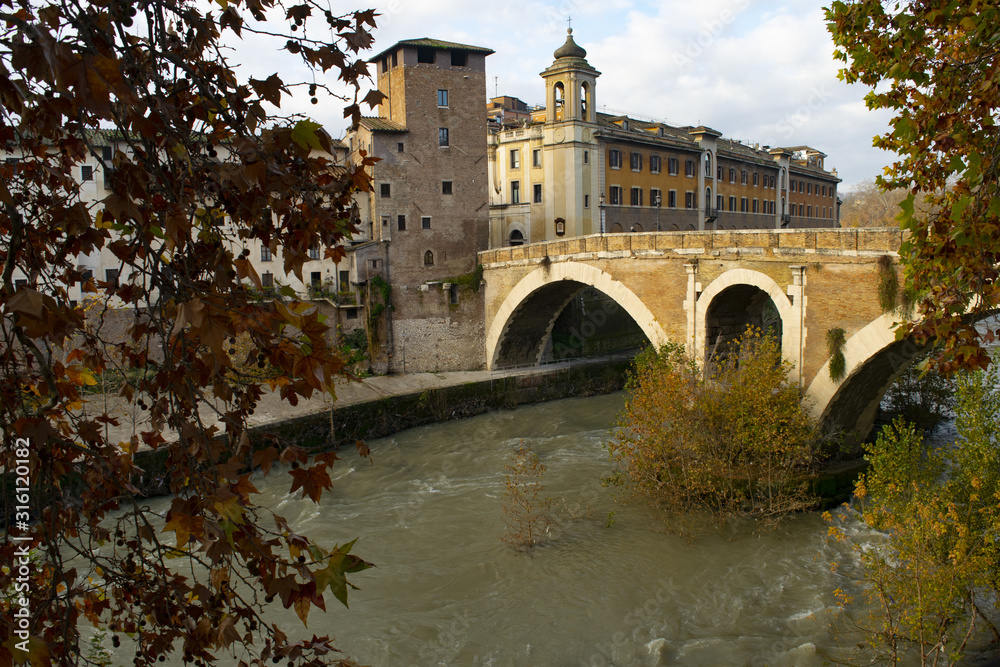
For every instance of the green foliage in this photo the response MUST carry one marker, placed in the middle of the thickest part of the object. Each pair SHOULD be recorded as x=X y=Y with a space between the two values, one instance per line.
x=934 y=65
x=472 y=279
x=835 y=344
x=922 y=397
x=379 y=294
x=888 y=284
x=98 y=653
x=736 y=443
x=527 y=514
x=934 y=581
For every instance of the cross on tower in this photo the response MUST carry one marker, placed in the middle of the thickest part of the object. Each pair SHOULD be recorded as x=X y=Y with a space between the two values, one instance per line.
x=569 y=19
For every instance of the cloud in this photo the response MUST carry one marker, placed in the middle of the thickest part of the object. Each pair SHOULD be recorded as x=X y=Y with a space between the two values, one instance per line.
x=756 y=71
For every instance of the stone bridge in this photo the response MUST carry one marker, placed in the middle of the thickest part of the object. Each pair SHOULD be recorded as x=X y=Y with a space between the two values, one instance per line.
x=703 y=288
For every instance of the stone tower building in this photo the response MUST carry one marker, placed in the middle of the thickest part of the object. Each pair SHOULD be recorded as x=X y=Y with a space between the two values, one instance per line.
x=428 y=213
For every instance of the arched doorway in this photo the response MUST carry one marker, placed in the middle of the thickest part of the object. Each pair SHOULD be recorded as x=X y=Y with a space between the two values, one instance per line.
x=516 y=238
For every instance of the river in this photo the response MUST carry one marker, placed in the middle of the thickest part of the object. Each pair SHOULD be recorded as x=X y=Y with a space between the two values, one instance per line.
x=448 y=591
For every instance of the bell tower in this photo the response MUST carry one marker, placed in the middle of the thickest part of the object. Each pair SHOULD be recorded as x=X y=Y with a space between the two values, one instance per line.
x=570 y=148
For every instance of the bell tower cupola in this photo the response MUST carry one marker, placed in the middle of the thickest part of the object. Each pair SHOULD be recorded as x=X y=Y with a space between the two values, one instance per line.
x=570 y=85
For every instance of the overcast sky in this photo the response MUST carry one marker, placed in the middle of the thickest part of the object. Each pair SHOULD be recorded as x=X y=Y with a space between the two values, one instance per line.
x=757 y=71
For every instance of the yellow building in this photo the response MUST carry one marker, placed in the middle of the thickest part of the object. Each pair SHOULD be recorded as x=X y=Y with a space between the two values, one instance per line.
x=571 y=171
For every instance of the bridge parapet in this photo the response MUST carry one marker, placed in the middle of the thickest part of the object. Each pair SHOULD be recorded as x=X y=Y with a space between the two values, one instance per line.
x=860 y=242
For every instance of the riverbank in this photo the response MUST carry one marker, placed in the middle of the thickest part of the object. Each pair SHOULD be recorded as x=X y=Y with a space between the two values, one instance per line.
x=377 y=407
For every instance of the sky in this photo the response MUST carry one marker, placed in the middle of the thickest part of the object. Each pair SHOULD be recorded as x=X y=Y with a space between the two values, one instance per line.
x=757 y=71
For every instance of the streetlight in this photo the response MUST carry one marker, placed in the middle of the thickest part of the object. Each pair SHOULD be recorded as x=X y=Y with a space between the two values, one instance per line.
x=659 y=200
x=601 y=201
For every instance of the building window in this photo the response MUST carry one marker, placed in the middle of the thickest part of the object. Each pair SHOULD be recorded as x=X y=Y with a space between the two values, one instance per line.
x=443 y=136
x=111 y=276
x=801 y=210
x=689 y=199
x=86 y=173
x=615 y=195
x=654 y=164
x=446 y=187
x=536 y=158
x=672 y=165
x=720 y=203
x=536 y=194
x=428 y=258
x=401 y=223
x=792 y=185
x=809 y=188
x=442 y=97
x=459 y=58
x=744 y=204
x=635 y=160
x=586 y=201
x=672 y=199
x=586 y=157
x=399 y=147
x=719 y=173
x=515 y=192
x=732 y=203
x=425 y=222
x=351 y=313
x=515 y=159
x=615 y=158
x=809 y=211
x=314 y=252
x=425 y=54
x=732 y=175
x=743 y=177
x=265 y=253
x=636 y=197
x=267 y=280
x=655 y=197
x=385 y=189
x=756 y=179
x=689 y=168
x=516 y=238
x=756 y=206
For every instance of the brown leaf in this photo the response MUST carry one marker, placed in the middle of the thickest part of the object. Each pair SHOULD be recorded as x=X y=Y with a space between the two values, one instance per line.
x=363 y=449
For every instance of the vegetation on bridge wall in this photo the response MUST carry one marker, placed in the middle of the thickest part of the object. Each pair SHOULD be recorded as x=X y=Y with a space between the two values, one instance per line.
x=835 y=344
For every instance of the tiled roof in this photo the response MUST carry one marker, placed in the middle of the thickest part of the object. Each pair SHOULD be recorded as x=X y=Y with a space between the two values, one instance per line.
x=434 y=43
x=382 y=125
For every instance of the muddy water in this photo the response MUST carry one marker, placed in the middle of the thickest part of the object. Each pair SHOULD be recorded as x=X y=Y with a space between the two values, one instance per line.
x=448 y=591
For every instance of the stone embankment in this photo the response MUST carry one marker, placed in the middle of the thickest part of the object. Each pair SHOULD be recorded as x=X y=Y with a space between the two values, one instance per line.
x=379 y=406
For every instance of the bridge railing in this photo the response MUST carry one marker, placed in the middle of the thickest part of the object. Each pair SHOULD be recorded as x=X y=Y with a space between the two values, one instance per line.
x=862 y=241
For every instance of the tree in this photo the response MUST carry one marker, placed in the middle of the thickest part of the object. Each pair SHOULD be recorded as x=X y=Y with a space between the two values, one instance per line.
x=869 y=206
x=936 y=66
x=734 y=443
x=933 y=581
x=527 y=515
x=203 y=168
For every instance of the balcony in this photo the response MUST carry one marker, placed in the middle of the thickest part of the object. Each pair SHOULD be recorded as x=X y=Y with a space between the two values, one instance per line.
x=786 y=217
x=711 y=214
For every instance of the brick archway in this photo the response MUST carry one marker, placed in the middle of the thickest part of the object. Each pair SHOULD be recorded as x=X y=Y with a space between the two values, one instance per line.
x=532 y=306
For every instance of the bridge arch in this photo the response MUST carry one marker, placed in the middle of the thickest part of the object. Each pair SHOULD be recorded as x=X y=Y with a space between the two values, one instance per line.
x=874 y=359
x=739 y=284
x=533 y=305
